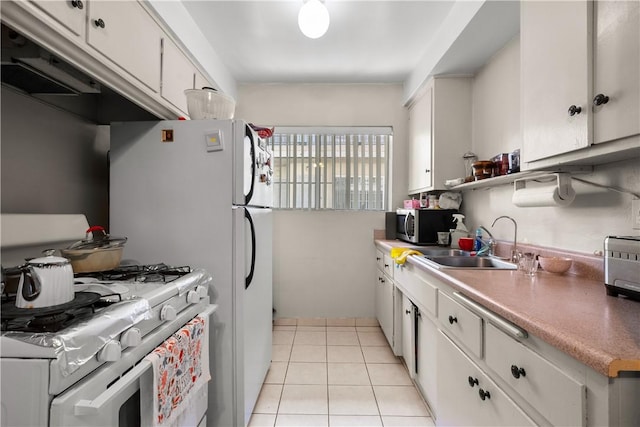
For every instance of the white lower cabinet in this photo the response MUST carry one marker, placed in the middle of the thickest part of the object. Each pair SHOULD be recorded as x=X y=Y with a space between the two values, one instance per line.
x=473 y=370
x=408 y=335
x=426 y=361
x=386 y=303
x=460 y=322
x=534 y=378
x=466 y=395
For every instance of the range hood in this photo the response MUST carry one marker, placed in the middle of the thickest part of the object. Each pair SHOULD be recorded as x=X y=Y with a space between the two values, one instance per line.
x=31 y=69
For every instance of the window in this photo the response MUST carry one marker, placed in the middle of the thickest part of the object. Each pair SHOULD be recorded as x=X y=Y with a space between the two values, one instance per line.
x=331 y=167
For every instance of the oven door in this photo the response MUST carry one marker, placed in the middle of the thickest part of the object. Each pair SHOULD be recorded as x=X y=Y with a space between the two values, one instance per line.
x=114 y=395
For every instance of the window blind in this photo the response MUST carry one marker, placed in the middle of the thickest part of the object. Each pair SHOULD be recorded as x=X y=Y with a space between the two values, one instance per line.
x=331 y=167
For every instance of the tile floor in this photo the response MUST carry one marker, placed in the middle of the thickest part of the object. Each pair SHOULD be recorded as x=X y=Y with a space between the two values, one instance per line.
x=336 y=372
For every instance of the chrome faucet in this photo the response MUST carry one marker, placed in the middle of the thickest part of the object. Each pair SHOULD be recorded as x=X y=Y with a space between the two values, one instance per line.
x=489 y=247
x=514 y=250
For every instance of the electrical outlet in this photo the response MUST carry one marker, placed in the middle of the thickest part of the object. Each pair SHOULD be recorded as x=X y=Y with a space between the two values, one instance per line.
x=635 y=214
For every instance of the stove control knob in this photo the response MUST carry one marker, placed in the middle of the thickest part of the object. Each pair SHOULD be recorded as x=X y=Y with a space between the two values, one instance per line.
x=193 y=297
x=131 y=337
x=202 y=291
x=168 y=313
x=110 y=352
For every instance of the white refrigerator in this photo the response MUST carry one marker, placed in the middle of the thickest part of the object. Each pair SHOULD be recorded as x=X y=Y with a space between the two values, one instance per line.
x=199 y=193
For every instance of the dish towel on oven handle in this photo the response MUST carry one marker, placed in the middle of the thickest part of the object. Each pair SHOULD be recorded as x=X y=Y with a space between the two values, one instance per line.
x=180 y=369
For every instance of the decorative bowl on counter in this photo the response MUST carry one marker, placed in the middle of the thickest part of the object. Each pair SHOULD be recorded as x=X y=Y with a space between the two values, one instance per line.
x=556 y=265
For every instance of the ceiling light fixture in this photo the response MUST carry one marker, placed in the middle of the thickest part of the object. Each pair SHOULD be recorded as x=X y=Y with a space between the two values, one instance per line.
x=313 y=19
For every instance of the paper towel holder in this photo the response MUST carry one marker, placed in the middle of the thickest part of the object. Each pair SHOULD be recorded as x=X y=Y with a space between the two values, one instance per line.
x=556 y=192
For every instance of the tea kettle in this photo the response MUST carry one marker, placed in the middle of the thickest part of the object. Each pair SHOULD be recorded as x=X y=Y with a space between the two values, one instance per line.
x=45 y=282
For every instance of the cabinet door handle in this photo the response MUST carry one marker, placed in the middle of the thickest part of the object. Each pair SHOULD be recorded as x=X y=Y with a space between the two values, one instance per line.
x=573 y=110
x=382 y=280
x=99 y=22
x=484 y=394
x=517 y=372
x=453 y=320
x=600 y=99
x=77 y=4
x=407 y=312
x=472 y=381
x=427 y=170
x=378 y=258
x=386 y=266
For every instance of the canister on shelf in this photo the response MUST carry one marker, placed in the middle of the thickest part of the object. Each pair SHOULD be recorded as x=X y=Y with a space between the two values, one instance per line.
x=483 y=169
x=501 y=162
x=469 y=159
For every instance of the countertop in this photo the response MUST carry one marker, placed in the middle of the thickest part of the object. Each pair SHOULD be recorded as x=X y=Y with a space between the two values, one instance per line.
x=571 y=313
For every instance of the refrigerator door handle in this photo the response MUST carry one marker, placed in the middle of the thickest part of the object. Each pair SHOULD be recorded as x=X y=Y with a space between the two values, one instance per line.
x=249 y=134
x=249 y=278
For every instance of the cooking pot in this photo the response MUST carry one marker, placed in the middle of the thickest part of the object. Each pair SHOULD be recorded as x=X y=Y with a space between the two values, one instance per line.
x=98 y=252
x=44 y=282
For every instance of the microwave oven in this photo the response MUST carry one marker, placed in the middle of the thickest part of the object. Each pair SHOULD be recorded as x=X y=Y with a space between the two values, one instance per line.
x=421 y=226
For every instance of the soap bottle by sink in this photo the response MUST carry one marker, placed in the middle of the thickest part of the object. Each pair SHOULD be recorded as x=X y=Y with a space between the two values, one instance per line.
x=459 y=232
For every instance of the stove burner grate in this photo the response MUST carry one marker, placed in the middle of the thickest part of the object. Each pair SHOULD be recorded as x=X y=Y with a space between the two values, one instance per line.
x=141 y=273
x=47 y=319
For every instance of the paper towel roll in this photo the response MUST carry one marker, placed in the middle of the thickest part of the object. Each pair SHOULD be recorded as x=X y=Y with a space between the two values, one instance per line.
x=546 y=195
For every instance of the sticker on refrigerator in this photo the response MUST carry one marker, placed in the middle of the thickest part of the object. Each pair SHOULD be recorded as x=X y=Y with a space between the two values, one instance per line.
x=214 y=141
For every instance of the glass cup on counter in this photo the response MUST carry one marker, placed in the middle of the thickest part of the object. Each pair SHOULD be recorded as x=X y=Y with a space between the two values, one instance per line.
x=443 y=238
x=528 y=264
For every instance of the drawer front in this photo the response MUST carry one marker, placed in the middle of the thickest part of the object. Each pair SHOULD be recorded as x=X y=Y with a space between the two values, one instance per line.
x=387 y=265
x=423 y=293
x=466 y=395
x=461 y=323
x=559 y=398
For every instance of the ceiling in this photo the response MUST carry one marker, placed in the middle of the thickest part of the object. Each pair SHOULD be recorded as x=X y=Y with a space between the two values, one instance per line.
x=367 y=41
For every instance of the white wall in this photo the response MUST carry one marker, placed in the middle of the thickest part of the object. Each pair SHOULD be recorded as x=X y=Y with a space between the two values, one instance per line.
x=52 y=161
x=324 y=262
x=580 y=227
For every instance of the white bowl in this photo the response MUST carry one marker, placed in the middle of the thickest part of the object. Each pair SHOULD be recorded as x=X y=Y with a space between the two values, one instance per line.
x=207 y=103
x=555 y=264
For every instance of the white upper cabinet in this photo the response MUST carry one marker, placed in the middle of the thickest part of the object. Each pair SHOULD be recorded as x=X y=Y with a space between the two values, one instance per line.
x=556 y=78
x=126 y=34
x=420 y=136
x=201 y=81
x=178 y=74
x=439 y=133
x=580 y=62
x=70 y=14
x=617 y=70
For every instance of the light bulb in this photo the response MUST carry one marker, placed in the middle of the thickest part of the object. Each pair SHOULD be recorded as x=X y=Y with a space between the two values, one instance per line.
x=313 y=19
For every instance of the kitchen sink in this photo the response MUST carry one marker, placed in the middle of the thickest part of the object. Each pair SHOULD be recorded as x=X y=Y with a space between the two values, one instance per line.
x=469 y=262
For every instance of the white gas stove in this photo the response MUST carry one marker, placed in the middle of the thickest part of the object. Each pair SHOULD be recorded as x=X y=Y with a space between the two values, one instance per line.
x=84 y=364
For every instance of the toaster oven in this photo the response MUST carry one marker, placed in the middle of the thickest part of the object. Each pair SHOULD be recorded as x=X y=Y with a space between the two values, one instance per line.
x=622 y=266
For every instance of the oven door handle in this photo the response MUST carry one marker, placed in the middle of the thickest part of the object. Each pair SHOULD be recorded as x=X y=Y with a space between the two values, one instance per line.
x=92 y=407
